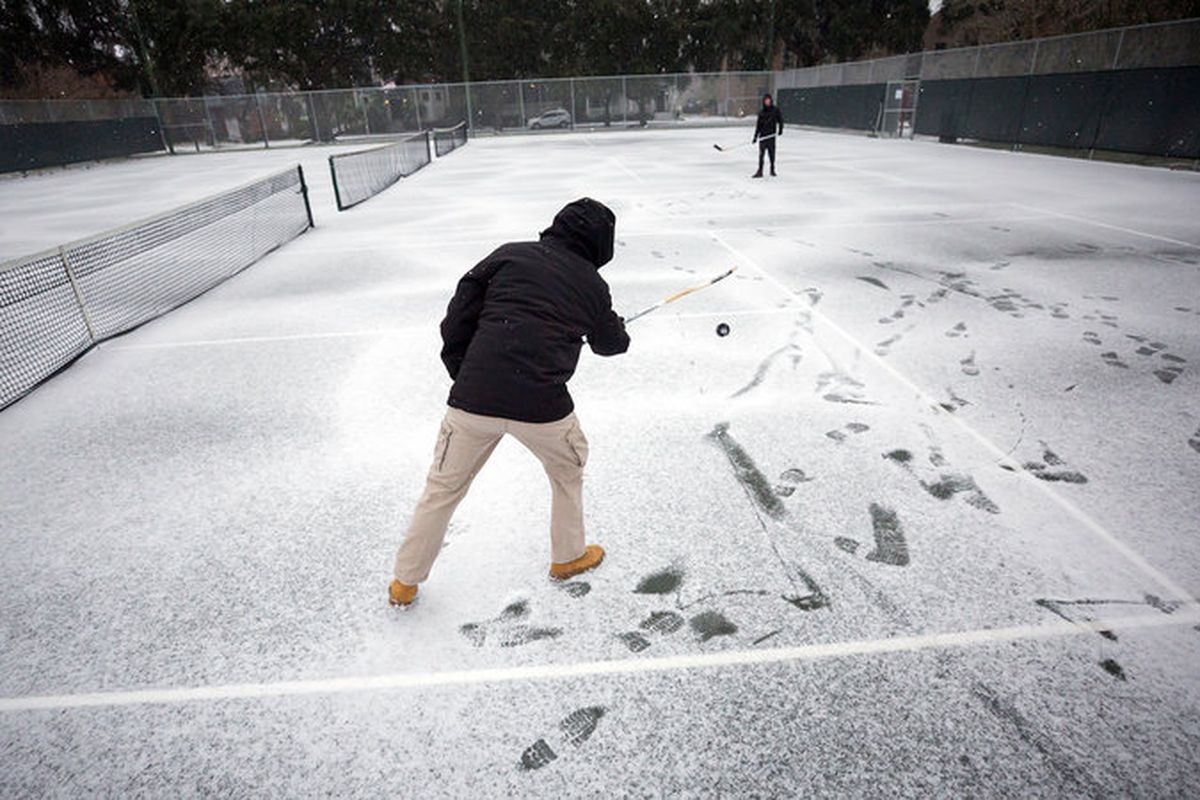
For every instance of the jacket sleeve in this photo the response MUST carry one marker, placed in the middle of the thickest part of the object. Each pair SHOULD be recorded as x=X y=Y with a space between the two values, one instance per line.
x=462 y=315
x=608 y=336
x=779 y=121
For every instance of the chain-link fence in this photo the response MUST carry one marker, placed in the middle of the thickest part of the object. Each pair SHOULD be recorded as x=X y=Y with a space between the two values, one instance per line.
x=1158 y=45
x=268 y=119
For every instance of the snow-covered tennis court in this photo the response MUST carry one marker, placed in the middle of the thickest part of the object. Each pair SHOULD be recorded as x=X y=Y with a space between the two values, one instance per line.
x=925 y=521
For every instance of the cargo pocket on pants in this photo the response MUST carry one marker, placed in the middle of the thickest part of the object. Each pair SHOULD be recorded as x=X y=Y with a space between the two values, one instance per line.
x=443 y=446
x=578 y=444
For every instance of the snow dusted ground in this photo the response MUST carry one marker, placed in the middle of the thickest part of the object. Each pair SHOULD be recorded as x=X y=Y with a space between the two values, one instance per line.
x=923 y=523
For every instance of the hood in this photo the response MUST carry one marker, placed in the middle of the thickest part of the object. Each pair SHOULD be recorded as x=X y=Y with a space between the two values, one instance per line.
x=586 y=227
x=768 y=97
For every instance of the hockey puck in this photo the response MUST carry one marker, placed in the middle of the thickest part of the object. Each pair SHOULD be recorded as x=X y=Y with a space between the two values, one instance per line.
x=722 y=329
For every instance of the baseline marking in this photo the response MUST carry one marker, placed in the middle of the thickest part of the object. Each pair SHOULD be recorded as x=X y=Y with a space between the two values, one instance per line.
x=1098 y=224
x=296 y=337
x=629 y=666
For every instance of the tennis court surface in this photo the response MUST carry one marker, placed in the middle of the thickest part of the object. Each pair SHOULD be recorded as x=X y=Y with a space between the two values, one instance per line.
x=924 y=523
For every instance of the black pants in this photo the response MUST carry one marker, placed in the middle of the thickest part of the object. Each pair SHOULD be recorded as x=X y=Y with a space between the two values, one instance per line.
x=766 y=146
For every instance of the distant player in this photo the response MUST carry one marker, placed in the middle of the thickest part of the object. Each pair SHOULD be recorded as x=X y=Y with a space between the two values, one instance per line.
x=511 y=341
x=768 y=129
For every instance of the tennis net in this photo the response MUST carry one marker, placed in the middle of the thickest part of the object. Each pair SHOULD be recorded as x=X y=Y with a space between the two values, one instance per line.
x=56 y=304
x=361 y=175
x=446 y=140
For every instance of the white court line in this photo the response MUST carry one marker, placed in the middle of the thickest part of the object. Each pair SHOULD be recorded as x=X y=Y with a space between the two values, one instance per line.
x=627 y=666
x=296 y=337
x=1176 y=591
x=620 y=165
x=1099 y=224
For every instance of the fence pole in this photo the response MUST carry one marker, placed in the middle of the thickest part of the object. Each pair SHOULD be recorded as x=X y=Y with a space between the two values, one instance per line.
x=521 y=101
x=1120 y=41
x=162 y=132
x=417 y=106
x=573 y=112
x=363 y=108
x=624 y=101
x=312 y=115
x=212 y=131
x=262 y=121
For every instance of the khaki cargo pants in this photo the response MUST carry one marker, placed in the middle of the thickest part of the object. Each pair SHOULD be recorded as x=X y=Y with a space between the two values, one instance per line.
x=464 y=444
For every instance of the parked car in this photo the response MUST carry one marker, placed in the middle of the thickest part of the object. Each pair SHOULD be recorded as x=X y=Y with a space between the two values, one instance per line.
x=554 y=118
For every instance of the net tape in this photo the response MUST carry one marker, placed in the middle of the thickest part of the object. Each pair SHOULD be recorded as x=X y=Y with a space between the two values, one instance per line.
x=446 y=140
x=55 y=305
x=361 y=175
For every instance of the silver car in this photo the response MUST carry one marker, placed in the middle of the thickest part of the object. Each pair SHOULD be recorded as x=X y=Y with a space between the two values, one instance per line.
x=554 y=118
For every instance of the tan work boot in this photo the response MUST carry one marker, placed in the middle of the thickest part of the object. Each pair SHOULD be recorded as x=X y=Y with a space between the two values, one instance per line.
x=401 y=594
x=593 y=554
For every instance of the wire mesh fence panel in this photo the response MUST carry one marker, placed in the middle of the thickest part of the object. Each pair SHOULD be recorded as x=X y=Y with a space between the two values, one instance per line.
x=947 y=64
x=446 y=140
x=442 y=105
x=892 y=68
x=363 y=174
x=1004 y=60
x=858 y=73
x=1174 y=44
x=236 y=121
x=701 y=95
x=18 y=112
x=337 y=114
x=287 y=117
x=746 y=90
x=42 y=328
x=186 y=123
x=548 y=102
x=652 y=99
x=496 y=106
x=830 y=74
x=129 y=276
x=1088 y=52
x=599 y=102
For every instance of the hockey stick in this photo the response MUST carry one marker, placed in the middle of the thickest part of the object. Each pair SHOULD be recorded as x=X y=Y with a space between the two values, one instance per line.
x=743 y=144
x=680 y=294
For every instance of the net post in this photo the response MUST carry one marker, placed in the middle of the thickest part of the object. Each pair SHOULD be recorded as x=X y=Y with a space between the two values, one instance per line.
x=428 y=147
x=337 y=195
x=304 y=191
x=87 y=320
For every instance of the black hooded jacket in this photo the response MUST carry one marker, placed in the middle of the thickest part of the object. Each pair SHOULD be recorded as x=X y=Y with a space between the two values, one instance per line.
x=770 y=120
x=515 y=326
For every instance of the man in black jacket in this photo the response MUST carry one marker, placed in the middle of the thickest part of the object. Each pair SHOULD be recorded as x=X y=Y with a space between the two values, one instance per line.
x=511 y=340
x=766 y=131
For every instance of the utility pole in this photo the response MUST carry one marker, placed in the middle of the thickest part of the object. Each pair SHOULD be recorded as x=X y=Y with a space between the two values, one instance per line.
x=770 y=38
x=462 y=44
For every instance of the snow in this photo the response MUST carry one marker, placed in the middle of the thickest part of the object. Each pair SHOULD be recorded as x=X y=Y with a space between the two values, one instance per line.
x=214 y=500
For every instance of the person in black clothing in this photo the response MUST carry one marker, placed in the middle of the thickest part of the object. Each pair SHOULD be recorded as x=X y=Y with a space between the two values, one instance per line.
x=766 y=131
x=511 y=338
